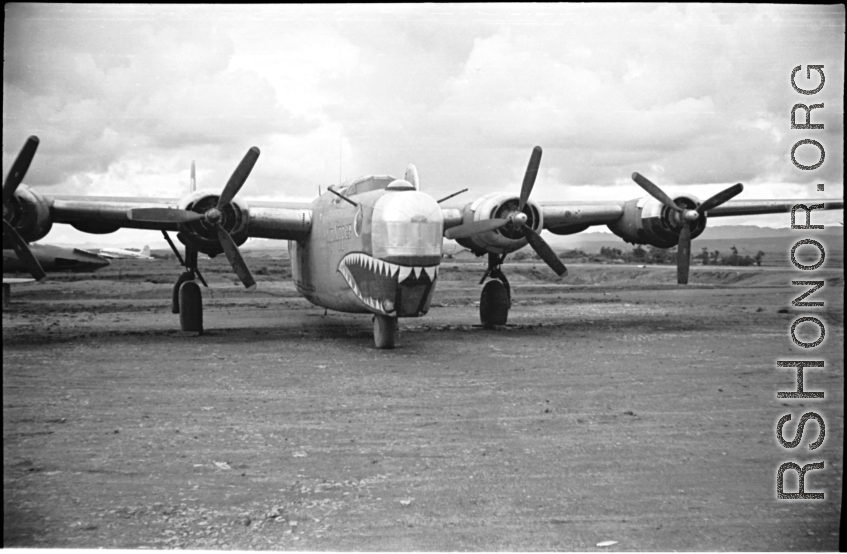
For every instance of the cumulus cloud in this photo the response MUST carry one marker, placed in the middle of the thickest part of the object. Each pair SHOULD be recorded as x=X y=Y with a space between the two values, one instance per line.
x=697 y=96
x=122 y=83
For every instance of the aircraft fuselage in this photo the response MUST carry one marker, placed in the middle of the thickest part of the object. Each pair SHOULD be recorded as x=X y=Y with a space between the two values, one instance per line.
x=379 y=256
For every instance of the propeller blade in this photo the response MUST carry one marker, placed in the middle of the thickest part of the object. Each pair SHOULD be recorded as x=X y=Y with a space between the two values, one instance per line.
x=655 y=191
x=529 y=176
x=16 y=174
x=23 y=252
x=235 y=259
x=543 y=249
x=720 y=198
x=236 y=181
x=474 y=228
x=683 y=255
x=163 y=215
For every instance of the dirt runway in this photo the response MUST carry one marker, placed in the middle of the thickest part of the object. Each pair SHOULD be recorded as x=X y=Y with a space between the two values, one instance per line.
x=633 y=411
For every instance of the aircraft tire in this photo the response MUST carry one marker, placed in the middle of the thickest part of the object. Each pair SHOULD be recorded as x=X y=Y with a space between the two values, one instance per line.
x=186 y=276
x=191 y=308
x=493 y=304
x=385 y=331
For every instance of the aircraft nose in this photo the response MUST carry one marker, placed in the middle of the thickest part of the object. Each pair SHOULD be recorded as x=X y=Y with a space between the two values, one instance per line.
x=407 y=229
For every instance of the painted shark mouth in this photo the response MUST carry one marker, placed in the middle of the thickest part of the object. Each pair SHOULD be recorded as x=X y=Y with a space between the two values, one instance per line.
x=375 y=282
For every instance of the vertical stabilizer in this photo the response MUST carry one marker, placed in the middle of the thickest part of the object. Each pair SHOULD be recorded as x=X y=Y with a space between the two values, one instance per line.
x=146 y=250
x=192 y=186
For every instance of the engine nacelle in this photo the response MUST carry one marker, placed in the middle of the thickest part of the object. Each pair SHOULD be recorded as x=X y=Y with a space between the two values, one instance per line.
x=29 y=214
x=201 y=234
x=648 y=221
x=505 y=239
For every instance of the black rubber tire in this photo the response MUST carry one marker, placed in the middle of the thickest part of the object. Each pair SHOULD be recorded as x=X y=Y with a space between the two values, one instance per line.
x=385 y=331
x=191 y=307
x=493 y=304
x=185 y=276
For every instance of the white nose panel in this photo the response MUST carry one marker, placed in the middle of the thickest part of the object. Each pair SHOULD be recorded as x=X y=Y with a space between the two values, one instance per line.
x=407 y=223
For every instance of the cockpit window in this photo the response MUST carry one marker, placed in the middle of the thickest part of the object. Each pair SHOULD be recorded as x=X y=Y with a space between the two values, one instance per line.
x=407 y=223
x=398 y=238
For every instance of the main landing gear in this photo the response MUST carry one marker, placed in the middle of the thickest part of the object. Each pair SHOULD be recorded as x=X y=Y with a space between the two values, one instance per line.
x=187 y=298
x=496 y=297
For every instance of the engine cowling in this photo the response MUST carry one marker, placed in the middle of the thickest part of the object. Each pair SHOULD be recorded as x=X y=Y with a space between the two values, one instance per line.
x=506 y=239
x=648 y=221
x=29 y=214
x=201 y=234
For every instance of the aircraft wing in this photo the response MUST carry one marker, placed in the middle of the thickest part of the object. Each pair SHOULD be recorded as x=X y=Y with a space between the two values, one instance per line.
x=106 y=255
x=561 y=216
x=564 y=218
x=754 y=207
x=568 y=217
x=635 y=220
x=101 y=214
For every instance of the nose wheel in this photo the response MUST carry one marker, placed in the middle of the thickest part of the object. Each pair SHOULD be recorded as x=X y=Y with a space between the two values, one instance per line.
x=385 y=331
x=496 y=297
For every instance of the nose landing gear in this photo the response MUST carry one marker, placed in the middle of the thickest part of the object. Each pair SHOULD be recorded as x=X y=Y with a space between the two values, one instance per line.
x=385 y=331
x=496 y=297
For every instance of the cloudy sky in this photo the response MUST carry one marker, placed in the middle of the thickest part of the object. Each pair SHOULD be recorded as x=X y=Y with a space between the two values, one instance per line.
x=696 y=97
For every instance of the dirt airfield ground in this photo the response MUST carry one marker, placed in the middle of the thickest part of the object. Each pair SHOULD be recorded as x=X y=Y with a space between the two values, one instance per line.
x=616 y=406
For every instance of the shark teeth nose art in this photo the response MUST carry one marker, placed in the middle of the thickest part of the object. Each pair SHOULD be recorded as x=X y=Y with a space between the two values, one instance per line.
x=375 y=281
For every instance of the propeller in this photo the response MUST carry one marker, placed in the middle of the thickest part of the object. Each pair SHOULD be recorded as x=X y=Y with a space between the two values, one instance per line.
x=517 y=219
x=10 y=185
x=212 y=216
x=687 y=218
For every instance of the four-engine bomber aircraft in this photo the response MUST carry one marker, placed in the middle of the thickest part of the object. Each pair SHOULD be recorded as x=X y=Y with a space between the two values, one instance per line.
x=371 y=245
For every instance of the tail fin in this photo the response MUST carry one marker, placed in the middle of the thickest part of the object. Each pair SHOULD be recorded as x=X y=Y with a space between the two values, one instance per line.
x=146 y=250
x=193 y=184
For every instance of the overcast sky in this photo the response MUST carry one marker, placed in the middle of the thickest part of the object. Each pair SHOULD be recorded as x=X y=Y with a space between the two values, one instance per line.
x=696 y=97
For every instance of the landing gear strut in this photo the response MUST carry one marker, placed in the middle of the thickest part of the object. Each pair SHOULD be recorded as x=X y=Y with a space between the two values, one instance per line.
x=496 y=297
x=187 y=298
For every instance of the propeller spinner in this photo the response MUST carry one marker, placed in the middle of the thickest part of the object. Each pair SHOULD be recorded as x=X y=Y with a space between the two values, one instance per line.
x=687 y=219
x=10 y=185
x=212 y=216
x=517 y=220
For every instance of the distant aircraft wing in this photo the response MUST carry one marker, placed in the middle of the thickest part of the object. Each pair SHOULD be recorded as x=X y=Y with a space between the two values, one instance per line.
x=84 y=251
x=16 y=280
x=102 y=214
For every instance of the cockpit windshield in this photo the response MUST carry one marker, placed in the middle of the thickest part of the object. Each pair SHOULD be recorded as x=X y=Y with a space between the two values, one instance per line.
x=407 y=224
x=408 y=239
